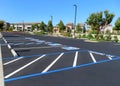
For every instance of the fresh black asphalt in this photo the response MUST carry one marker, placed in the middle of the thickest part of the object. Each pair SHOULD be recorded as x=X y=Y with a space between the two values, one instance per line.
x=104 y=73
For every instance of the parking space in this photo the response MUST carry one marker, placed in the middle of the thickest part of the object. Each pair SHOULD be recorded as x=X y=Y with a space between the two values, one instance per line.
x=49 y=62
x=28 y=57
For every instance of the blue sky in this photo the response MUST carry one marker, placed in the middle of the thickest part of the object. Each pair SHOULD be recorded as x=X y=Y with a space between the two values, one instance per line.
x=42 y=10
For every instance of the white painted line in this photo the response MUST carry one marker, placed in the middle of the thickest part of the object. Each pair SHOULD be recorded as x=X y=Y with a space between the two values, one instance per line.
x=70 y=48
x=29 y=43
x=93 y=58
x=46 y=69
x=12 y=61
x=18 y=43
x=5 y=40
x=23 y=67
x=110 y=57
x=12 y=50
x=55 y=44
x=14 y=53
x=1 y=69
x=97 y=53
x=9 y=46
x=75 y=59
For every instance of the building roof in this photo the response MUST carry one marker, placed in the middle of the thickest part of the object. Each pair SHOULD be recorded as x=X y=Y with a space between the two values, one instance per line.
x=26 y=23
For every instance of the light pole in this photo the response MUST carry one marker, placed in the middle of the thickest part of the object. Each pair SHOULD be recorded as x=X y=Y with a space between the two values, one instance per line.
x=23 y=26
x=75 y=20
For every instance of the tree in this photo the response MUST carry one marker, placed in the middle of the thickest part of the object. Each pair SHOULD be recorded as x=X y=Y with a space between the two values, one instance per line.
x=78 y=28
x=42 y=26
x=95 y=20
x=61 y=25
x=108 y=17
x=117 y=24
x=49 y=26
x=7 y=27
x=1 y=25
x=34 y=26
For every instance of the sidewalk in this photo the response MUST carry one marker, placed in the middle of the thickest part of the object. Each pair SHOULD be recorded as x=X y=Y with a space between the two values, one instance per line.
x=1 y=67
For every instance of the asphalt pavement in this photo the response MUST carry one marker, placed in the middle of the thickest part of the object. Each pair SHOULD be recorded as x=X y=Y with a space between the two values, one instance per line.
x=31 y=60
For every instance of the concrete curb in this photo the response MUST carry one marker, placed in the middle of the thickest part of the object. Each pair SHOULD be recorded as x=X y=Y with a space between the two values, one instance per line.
x=1 y=67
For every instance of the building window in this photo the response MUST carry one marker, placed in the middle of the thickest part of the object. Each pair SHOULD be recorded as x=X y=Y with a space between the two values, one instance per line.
x=28 y=28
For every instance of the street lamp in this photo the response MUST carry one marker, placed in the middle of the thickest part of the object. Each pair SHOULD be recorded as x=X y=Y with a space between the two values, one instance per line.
x=75 y=20
x=23 y=26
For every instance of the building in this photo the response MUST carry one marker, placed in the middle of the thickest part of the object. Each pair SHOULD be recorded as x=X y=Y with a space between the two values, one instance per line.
x=108 y=27
x=22 y=26
x=70 y=26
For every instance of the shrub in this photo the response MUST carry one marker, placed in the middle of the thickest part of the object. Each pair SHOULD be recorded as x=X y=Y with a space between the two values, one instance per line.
x=108 y=32
x=90 y=36
x=115 y=39
x=83 y=36
x=108 y=37
x=40 y=33
x=93 y=32
x=79 y=36
x=101 y=37
x=67 y=34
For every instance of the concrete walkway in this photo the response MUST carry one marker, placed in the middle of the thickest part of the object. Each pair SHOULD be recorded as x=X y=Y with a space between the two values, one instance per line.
x=1 y=66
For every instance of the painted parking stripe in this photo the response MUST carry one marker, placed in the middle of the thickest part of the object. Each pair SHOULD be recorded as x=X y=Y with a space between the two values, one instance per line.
x=12 y=61
x=5 y=40
x=12 y=50
x=23 y=67
x=18 y=43
x=97 y=53
x=75 y=59
x=9 y=46
x=93 y=58
x=70 y=48
x=29 y=43
x=46 y=69
x=110 y=57
x=54 y=44
x=14 y=53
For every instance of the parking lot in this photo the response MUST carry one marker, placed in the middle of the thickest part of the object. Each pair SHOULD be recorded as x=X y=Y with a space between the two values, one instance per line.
x=34 y=61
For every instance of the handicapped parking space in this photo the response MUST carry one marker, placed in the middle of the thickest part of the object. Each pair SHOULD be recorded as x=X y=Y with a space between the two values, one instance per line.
x=104 y=74
x=13 y=64
x=32 y=65
x=52 y=62
x=36 y=65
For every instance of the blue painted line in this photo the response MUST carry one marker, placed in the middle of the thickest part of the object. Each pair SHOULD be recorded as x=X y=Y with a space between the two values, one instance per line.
x=59 y=70
x=10 y=58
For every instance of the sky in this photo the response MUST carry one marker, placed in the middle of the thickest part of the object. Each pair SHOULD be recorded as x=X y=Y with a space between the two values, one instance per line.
x=14 y=11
